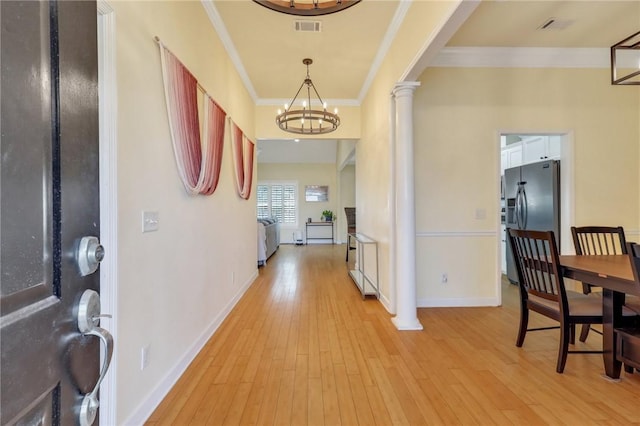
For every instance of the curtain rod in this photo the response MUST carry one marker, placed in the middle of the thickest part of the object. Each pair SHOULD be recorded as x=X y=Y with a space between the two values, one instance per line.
x=202 y=89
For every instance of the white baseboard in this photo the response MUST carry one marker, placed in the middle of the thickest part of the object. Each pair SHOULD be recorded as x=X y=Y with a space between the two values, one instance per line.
x=386 y=303
x=458 y=302
x=155 y=397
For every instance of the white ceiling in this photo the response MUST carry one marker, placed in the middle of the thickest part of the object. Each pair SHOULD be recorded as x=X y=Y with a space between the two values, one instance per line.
x=268 y=53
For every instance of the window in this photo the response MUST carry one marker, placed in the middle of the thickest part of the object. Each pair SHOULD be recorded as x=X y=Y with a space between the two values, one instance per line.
x=278 y=200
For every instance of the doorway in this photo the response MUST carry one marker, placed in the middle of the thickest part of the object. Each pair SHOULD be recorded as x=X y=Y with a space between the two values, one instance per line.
x=521 y=148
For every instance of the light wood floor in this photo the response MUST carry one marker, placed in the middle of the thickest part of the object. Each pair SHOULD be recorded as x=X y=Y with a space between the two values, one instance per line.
x=302 y=347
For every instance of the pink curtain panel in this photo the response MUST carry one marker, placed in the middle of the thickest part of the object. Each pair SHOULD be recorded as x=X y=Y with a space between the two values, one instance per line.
x=198 y=163
x=243 y=153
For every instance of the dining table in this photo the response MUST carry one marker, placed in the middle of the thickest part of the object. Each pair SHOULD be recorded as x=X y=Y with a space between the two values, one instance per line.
x=614 y=274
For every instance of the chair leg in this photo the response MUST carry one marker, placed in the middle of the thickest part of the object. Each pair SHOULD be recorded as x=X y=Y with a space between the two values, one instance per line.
x=572 y=334
x=585 y=332
x=563 y=349
x=524 y=323
x=348 y=246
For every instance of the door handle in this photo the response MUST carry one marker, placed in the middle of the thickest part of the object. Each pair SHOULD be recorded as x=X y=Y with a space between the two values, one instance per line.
x=525 y=209
x=517 y=208
x=88 y=319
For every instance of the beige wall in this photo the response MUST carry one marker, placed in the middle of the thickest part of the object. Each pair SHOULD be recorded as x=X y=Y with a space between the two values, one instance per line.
x=458 y=114
x=175 y=285
x=347 y=181
x=304 y=174
x=373 y=154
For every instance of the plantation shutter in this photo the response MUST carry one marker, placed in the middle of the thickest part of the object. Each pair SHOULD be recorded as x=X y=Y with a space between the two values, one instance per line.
x=262 y=196
x=289 y=204
x=277 y=202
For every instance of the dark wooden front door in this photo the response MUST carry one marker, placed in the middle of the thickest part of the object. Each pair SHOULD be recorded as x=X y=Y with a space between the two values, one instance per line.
x=49 y=201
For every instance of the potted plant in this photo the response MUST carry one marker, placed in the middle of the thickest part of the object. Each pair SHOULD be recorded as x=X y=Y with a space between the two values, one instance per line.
x=327 y=215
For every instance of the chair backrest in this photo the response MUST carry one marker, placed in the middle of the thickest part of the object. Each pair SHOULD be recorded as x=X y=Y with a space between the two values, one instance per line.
x=633 y=250
x=351 y=218
x=598 y=240
x=536 y=258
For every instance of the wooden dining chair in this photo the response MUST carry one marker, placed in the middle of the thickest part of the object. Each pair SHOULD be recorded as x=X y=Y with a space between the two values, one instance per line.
x=542 y=290
x=628 y=337
x=633 y=302
x=597 y=240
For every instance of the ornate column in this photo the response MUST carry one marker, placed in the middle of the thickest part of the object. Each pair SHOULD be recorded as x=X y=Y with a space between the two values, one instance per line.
x=405 y=226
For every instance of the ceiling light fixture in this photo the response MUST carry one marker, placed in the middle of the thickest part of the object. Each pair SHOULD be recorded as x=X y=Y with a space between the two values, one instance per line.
x=307 y=120
x=629 y=50
x=307 y=7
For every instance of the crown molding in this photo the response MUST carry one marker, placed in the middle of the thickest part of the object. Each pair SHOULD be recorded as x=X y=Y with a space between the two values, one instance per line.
x=392 y=30
x=522 y=57
x=330 y=102
x=438 y=39
x=222 y=32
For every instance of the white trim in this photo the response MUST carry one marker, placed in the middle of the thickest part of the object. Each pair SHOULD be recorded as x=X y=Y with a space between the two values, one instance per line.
x=457 y=233
x=567 y=191
x=391 y=206
x=222 y=32
x=438 y=39
x=522 y=57
x=331 y=102
x=386 y=302
x=634 y=232
x=385 y=45
x=458 y=302
x=108 y=113
x=143 y=411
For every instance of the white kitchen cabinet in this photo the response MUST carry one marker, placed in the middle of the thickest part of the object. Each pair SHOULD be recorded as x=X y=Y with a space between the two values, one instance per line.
x=540 y=148
x=511 y=156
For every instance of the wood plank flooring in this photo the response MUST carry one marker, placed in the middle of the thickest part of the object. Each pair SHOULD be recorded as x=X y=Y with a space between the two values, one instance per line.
x=303 y=348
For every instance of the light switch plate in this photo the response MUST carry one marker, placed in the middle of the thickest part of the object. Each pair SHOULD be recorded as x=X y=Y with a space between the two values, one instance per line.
x=150 y=221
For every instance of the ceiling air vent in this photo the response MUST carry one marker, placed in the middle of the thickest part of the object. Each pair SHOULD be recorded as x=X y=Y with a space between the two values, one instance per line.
x=307 y=26
x=555 y=24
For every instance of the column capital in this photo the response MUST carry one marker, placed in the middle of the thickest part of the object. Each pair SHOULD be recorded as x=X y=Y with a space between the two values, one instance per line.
x=405 y=87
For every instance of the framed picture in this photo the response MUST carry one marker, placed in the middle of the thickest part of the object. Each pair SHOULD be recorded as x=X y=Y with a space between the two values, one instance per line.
x=316 y=193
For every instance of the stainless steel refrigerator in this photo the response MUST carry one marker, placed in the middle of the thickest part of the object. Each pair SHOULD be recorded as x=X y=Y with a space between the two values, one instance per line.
x=532 y=195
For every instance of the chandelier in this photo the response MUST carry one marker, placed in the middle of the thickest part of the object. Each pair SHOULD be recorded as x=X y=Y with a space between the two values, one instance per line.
x=307 y=120
x=628 y=63
x=307 y=7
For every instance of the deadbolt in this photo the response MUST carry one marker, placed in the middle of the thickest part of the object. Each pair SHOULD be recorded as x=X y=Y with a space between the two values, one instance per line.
x=90 y=254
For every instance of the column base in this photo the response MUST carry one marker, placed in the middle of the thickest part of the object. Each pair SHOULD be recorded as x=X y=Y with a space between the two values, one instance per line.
x=413 y=324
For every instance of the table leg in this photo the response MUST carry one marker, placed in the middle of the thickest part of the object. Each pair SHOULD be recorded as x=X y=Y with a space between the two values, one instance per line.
x=612 y=302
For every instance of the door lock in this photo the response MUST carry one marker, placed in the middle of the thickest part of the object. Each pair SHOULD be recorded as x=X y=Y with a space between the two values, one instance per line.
x=90 y=254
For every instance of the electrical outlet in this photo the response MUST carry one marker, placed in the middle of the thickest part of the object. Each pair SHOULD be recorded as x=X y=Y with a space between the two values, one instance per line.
x=445 y=278
x=144 y=357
